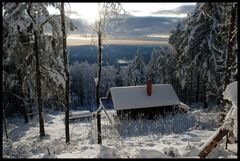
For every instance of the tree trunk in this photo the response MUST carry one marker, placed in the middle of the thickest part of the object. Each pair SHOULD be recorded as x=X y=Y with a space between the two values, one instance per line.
x=229 y=54
x=185 y=95
x=22 y=95
x=5 y=122
x=38 y=74
x=205 y=101
x=16 y=103
x=98 y=83
x=65 y=57
x=39 y=86
x=163 y=74
x=30 y=103
x=197 y=90
x=191 y=86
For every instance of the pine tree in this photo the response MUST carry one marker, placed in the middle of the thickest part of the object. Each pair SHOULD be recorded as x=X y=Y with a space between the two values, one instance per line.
x=200 y=47
x=26 y=46
x=137 y=70
x=153 y=66
x=230 y=55
x=108 y=79
x=83 y=84
x=14 y=33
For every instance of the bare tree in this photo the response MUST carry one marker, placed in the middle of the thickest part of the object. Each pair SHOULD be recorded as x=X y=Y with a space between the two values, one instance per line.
x=109 y=13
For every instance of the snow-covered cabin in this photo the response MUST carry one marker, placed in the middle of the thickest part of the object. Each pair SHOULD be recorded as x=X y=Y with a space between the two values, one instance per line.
x=144 y=100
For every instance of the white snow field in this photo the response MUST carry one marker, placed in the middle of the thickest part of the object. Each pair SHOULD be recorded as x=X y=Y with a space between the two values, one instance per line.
x=178 y=136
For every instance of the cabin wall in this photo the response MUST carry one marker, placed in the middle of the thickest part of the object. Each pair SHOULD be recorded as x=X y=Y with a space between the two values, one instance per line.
x=146 y=113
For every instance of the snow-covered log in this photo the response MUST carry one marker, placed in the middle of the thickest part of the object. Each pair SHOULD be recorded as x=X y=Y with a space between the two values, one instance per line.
x=212 y=142
x=231 y=94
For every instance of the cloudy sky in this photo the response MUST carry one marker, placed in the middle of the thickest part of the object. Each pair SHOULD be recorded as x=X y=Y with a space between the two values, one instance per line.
x=150 y=22
x=89 y=11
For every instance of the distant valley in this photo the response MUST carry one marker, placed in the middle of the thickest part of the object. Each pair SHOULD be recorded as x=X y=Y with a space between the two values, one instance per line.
x=112 y=54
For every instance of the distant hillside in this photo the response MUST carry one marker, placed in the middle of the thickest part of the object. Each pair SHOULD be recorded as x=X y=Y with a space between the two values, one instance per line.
x=112 y=54
x=140 y=27
x=134 y=28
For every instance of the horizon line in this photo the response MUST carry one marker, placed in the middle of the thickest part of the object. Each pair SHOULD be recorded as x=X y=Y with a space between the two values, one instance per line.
x=117 y=42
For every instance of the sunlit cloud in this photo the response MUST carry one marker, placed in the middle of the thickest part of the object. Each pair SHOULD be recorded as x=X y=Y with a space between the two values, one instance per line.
x=89 y=11
x=80 y=40
x=122 y=61
x=179 y=11
x=148 y=23
x=138 y=29
x=86 y=36
x=136 y=42
x=135 y=11
x=73 y=13
x=157 y=36
x=150 y=9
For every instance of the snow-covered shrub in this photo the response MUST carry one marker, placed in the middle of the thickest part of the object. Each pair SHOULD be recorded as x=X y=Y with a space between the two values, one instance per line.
x=171 y=151
x=183 y=107
x=177 y=123
x=7 y=148
x=205 y=119
x=147 y=153
x=20 y=149
x=192 y=153
x=196 y=105
x=231 y=119
x=231 y=93
x=57 y=146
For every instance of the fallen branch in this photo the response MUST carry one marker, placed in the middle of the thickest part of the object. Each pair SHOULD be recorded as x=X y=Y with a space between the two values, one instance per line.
x=214 y=141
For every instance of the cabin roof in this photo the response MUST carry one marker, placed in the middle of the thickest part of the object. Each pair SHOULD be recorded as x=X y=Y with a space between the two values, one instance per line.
x=133 y=97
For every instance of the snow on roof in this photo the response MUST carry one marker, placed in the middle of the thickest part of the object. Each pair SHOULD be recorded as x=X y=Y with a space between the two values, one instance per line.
x=134 y=97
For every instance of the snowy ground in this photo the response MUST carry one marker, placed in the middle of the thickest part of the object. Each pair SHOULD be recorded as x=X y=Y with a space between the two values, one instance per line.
x=174 y=136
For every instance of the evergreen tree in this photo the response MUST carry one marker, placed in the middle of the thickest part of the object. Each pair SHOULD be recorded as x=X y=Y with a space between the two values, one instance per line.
x=153 y=66
x=83 y=84
x=26 y=46
x=200 y=47
x=137 y=70
x=108 y=79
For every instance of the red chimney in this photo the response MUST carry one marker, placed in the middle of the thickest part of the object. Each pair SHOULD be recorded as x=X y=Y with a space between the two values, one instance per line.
x=149 y=87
